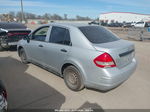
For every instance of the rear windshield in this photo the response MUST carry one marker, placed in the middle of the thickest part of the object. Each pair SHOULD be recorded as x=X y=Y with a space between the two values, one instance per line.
x=97 y=34
x=11 y=25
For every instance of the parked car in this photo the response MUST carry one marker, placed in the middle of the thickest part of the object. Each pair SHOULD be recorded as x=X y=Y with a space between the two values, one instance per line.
x=115 y=25
x=84 y=55
x=132 y=24
x=94 y=22
x=11 y=33
x=142 y=24
x=127 y=25
x=3 y=98
x=103 y=23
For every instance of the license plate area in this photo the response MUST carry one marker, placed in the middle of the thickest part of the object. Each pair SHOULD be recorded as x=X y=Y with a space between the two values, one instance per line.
x=127 y=59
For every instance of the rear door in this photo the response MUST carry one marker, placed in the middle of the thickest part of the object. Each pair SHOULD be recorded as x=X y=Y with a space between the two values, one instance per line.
x=35 y=48
x=58 y=47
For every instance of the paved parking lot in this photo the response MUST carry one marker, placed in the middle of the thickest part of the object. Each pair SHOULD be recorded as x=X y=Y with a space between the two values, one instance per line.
x=30 y=86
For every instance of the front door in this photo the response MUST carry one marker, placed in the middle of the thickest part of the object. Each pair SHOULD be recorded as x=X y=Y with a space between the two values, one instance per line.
x=36 y=46
x=58 y=48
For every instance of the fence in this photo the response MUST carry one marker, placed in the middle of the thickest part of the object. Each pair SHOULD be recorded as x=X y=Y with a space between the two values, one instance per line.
x=141 y=34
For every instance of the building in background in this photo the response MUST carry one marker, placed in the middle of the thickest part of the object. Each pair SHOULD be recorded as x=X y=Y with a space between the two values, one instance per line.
x=120 y=17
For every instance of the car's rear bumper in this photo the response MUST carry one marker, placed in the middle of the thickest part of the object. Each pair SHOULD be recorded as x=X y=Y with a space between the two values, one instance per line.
x=113 y=77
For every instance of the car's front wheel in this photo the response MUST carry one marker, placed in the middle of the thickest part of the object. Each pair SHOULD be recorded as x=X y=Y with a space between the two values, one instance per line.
x=23 y=56
x=72 y=78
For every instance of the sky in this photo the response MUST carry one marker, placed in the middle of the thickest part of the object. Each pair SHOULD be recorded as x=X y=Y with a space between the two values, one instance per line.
x=90 y=8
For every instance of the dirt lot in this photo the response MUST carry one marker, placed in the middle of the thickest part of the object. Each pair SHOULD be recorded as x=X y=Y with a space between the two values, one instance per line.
x=30 y=86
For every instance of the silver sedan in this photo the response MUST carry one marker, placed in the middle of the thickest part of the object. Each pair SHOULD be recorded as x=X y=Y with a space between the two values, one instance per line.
x=84 y=55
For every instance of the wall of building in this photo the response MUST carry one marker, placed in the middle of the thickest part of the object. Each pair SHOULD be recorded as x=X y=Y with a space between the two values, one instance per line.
x=123 y=17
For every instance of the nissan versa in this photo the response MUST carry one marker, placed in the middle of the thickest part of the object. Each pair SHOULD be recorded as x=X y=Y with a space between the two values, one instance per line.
x=84 y=55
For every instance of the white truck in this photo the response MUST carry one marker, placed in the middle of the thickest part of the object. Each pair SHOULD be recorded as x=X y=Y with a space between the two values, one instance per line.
x=142 y=24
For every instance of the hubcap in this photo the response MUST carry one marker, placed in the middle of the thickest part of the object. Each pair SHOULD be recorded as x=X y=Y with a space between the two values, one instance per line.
x=72 y=78
x=23 y=56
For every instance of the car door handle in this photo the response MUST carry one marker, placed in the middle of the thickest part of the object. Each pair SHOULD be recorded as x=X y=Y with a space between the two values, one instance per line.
x=63 y=50
x=41 y=46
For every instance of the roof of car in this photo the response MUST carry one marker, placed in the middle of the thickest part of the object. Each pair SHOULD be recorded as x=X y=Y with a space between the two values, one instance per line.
x=12 y=25
x=71 y=24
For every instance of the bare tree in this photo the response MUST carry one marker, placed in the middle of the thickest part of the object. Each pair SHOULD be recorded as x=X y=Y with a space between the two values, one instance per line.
x=30 y=15
x=19 y=16
x=45 y=16
x=56 y=17
x=82 y=18
x=11 y=13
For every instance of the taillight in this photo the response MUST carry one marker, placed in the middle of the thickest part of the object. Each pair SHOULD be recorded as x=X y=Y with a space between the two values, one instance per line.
x=13 y=34
x=10 y=34
x=5 y=94
x=104 y=60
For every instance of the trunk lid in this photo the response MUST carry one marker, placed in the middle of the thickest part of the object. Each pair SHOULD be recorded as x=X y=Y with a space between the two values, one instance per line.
x=121 y=51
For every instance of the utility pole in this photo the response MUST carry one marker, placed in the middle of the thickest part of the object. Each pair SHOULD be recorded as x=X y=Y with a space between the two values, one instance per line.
x=22 y=14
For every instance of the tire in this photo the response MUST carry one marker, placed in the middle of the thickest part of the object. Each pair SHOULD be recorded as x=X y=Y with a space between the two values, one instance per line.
x=23 y=56
x=72 y=78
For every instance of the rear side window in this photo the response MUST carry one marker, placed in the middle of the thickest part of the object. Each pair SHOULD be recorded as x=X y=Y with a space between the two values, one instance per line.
x=97 y=34
x=60 y=35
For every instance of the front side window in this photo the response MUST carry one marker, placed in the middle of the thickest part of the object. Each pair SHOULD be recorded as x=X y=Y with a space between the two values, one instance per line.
x=40 y=34
x=60 y=35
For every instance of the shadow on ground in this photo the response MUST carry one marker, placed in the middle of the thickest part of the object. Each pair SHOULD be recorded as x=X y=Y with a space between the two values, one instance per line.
x=25 y=91
x=11 y=48
x=94 y=107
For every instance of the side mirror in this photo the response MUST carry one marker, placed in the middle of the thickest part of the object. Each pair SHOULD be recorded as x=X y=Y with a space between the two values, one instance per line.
x=27 y=38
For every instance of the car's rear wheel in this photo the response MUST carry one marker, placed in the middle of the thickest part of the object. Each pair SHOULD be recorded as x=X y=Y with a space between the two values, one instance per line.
x=23 y=56
x=72 y=78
